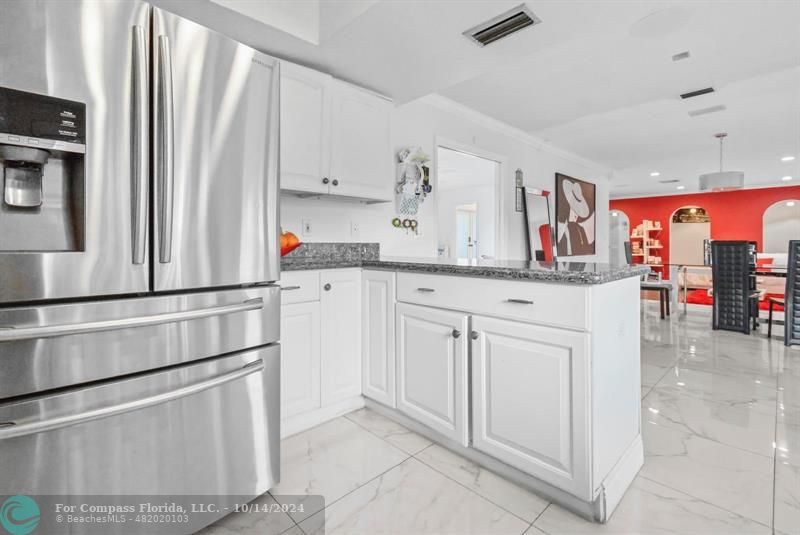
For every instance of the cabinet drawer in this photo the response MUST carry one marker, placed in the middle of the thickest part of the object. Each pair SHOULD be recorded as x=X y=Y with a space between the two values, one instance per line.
x=535 y=302
x=299 y=286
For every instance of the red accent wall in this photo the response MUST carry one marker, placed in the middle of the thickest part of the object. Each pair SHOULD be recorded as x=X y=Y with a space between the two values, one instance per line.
x=735 y=215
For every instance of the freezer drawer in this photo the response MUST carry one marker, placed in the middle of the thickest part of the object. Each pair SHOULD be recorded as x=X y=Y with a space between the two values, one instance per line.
x=55 y=346
x=209 y=428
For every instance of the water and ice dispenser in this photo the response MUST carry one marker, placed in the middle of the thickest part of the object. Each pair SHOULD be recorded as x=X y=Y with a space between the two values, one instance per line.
x=42 y=148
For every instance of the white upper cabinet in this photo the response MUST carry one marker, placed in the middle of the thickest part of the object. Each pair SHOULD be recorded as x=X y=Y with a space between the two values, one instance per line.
x=530 y=397
x=361 y=153
x=305 y=129
x=432 y=368
x=335 y=137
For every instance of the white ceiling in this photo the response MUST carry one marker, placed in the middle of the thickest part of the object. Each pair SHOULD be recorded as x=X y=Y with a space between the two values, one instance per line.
x=595 y=77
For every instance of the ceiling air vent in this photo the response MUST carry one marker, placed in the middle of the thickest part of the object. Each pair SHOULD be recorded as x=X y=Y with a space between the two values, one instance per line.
x=692 y=94
x=681 y=55
x=503 y=25
x=673 y=181
x=704 y=111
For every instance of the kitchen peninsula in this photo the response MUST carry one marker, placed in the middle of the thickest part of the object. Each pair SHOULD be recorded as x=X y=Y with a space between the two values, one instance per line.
x=530 y=369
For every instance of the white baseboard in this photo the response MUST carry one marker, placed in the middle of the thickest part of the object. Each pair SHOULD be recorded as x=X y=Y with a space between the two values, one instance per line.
x=301 y=422
x=620 y=478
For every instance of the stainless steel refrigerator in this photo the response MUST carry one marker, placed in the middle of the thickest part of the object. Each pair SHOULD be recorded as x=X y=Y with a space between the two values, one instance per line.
x=138 y=239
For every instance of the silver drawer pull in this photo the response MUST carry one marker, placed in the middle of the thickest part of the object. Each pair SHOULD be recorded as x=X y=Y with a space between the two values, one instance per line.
x=426 y=290
x=519 y=301
x=12 y=333
x=289 y=288
x=14 y=429
x=456 y=333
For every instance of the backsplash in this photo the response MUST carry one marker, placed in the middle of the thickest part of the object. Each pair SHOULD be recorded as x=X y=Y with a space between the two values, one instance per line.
x=324 y=252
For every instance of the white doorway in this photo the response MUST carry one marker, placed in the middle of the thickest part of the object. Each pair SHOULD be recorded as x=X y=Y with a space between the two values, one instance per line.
x=466 y=196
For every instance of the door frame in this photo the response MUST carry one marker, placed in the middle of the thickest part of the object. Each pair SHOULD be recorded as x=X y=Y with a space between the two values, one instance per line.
x=500 y=245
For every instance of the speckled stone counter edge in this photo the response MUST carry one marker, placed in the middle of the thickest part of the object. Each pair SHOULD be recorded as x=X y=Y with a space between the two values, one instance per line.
x=345 y=255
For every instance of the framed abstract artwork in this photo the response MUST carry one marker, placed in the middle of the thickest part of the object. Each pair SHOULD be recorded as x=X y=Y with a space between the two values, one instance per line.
x=576 y=223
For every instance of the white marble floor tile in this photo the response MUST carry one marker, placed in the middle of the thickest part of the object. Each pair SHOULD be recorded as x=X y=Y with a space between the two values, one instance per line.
x=756 y=393
x=739 y=426
x=332 y=460
x=649 y=508
x=491 y=486
x=787 y=498
x=414 y=499
x=254 y=523
x=651 y=374
x=393 y=433
x=721 y=475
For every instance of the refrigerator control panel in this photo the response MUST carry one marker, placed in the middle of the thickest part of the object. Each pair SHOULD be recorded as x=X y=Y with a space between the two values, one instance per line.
x=32 y=115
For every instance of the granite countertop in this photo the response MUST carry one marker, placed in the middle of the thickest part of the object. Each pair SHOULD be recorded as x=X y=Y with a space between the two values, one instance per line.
x=331 y=256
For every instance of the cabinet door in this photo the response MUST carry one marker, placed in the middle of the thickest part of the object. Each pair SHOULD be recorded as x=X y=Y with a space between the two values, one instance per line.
x=341 y=334
x=361 y=154
x=530 y=400
x=305 y=129
x=300 y=358
x=377 y=336
x=432 y=368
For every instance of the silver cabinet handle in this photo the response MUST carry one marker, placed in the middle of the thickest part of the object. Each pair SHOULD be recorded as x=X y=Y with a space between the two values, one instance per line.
x=426 y=290
x=14 y=429
x=165 y=162
x=335 y=182
x=139 y=147
x=474 y=335
x=11 y=334
x=327 y=287
x=456 y=333
x=519 y=301
x=325 y=180
x=273 y=184
x=289 y=288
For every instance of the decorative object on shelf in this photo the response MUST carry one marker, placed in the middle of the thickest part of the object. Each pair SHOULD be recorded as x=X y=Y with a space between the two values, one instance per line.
x=575 y=216
x=413 y=180
x=645 y=243
x=520 y=200
x=289 y=242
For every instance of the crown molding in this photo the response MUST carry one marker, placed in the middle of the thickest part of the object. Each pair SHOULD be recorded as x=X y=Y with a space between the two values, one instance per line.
x=445 y=104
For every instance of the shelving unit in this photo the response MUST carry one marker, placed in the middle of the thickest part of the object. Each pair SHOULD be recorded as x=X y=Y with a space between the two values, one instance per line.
x=645 y=244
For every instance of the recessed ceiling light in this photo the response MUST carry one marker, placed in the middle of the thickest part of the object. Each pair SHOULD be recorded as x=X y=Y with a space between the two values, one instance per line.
x=790 y=203
x=614 y=214
x=786 y=178
x=655 y=173
x=681 y=187
x=787 y=158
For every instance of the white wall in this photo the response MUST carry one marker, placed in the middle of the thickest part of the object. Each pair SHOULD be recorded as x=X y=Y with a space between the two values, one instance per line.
x=419 y=123
x=686 y=242
x=781 y=223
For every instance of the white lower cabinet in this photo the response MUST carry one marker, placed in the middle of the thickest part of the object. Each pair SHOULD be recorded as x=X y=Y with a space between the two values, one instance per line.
x=300 y=358
x=341 y=334
x=320 y=346
x=530 y=400
x=377 y=336
x=431 y=355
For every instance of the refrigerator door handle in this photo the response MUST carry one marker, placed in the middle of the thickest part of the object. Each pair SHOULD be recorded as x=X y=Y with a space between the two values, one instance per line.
x=139 y=147
x=273 y=166
x=12 y=334
x=13 y=429
x=165 y=162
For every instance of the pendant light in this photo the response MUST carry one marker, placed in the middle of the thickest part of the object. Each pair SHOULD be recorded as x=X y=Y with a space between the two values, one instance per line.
x=721 y=180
